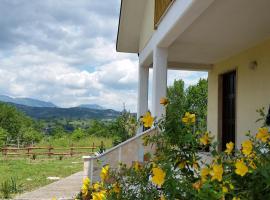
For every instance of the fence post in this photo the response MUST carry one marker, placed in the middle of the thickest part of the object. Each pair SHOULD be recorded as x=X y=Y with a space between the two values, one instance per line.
x=50 y=148
x=93 y=147
x=102 y=148
x=4 y=151
x=71 y=150
x=28 y=151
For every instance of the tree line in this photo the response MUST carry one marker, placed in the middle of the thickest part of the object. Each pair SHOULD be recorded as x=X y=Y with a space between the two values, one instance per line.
x=17 y=128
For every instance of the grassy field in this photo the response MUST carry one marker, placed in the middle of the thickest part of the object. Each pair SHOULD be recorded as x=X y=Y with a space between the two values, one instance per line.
x=31 y=174
x=66 y=141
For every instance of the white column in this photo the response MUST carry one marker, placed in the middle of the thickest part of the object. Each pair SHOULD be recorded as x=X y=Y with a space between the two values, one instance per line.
x=142 y=106
x=160 y=57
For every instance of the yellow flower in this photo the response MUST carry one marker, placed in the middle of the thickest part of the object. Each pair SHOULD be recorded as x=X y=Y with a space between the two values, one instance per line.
x=158 y=176
x=116 y=188
x=236 y=198
x=136 y=166
x=147 y=120
x=54 y=198
x=96 y=186
x=195 y=166
x=241 y=168
x=252 y=164
x=205 y=140
x=189 y=118
x=216 y=172
x=225 y=189
x=162 y=197
x=84 y=190
x=229 y=147
x=182 y=164
x=86 y=181
x=197 y=185
x=101 y=195
x=104 y=173
x=247 y=147
x=164 y=101
x=204 y=173
x=263 y=134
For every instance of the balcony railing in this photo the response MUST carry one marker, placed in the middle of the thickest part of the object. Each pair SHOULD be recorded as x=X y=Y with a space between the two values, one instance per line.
x=161 y=7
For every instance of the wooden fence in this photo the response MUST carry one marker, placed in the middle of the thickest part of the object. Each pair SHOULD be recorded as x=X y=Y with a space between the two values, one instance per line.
x=51 y=151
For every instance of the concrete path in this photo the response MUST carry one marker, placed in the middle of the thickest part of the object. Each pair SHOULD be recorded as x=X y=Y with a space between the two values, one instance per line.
x=64 y=189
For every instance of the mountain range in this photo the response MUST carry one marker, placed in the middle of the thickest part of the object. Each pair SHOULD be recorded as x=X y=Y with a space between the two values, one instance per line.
x=46 y=110
x=27 y=102
x=92 y=106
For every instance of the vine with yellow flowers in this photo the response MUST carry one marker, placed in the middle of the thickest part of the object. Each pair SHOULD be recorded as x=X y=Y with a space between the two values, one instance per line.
x=178 y=171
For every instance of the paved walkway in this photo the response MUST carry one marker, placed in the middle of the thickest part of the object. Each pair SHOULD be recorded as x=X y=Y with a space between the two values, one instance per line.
x=64 y=189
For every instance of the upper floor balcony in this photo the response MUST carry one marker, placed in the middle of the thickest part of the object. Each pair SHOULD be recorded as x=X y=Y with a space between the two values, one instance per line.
x=161 y=8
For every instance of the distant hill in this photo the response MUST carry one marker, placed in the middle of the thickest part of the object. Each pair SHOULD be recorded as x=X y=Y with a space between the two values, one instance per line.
x=68 y=113
x=92 y=106
x=46 y=110
x=27 y=102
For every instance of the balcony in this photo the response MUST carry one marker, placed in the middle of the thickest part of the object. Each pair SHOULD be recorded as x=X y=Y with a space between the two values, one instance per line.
x=161 y=7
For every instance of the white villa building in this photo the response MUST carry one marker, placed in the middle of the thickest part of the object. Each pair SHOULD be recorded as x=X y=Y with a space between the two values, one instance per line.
x=230 y=39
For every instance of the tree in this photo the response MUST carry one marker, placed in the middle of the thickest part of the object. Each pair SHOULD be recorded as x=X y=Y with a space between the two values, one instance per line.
x=16 y=125
x=58 y=131
x=30 y=135
x=192 y=99
x=196 y=101
x=124 y=127
x=78 y=134
x=3 y=137
x=177 y=97
x=11 y=120
x=98 y=128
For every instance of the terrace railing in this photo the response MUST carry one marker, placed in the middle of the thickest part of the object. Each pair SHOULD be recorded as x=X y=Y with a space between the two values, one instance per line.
x=125 y=153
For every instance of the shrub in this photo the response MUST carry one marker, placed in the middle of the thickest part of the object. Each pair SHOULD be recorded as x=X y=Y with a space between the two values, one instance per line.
x=3 y=137
x=78 y=134
x=9 y=187
x=5 y=189
x=177 y=170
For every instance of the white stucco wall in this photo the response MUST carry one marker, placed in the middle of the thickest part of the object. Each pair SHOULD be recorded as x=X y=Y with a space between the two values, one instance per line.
x=147 y=28
x=253 y=89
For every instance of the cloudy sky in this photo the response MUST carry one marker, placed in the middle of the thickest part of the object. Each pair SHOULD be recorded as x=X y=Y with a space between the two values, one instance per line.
x=64 y=51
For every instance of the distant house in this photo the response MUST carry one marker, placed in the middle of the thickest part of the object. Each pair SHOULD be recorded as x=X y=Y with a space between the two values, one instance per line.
x=228 y=38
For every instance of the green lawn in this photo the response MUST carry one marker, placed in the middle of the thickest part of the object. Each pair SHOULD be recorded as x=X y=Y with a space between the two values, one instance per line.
x=66 y=141
x=31 y=174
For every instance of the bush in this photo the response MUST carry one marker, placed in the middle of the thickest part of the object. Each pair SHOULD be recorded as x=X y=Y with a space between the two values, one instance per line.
x=16 y=126
x=177 y=170
x=3 y=137
x=78 y=134
x=9 y=187
x=5 y=189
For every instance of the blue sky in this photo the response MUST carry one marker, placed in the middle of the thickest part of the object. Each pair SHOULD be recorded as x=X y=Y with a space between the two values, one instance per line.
x=64 y=51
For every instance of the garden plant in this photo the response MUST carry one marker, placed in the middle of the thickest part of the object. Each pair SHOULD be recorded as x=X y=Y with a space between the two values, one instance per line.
x=178 y=170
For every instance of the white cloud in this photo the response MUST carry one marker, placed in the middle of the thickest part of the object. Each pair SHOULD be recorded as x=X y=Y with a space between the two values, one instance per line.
x=65 y=53
x=190 y=77
x=31 y=72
